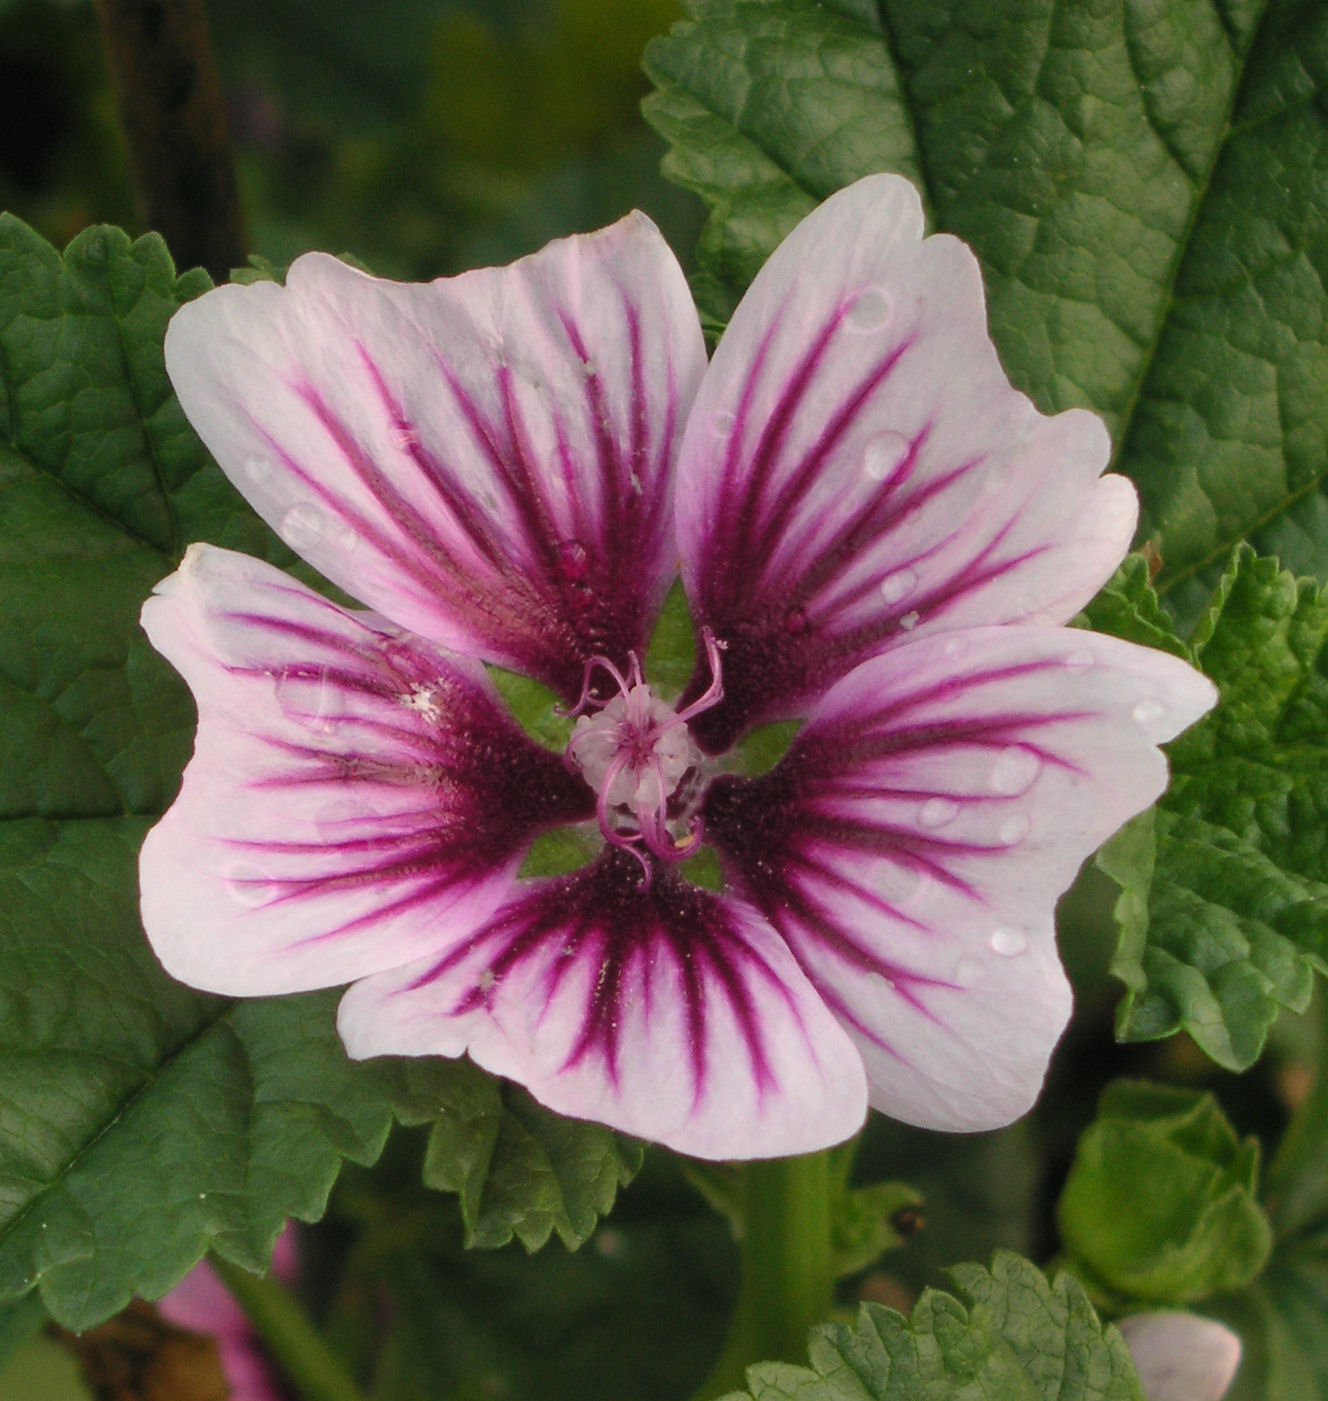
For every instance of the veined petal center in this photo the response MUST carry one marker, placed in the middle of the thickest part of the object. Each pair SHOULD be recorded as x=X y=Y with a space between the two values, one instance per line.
x=635 y=751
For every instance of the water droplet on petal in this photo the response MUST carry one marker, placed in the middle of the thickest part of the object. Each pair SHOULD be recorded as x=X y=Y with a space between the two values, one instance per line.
x=248 y=885
x=937 y=812
x=302 y=527
x=867 y=310
x=722 y=424
x=1148 y=712
x=965 y=972
x=1079 y=660
x=1009 y=943
x=899 y=585
x=910 y=620
x=573 y=560
x=1013 y=830
x=306 y=696
x=884 y=455
x=1014 y=770
x=338 y=821
x=257 y=469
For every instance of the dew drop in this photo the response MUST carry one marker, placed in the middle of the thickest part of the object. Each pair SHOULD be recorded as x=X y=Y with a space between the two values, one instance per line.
x=257 y=469
x=338 y=821
x=884 y=455
x=1148 y=712
x=305 y=696
x=1080 y=660
x=301 y=527
x=573 y=561
x=867 y=311
x=1013 y=830
x=1009 y=943
x=965 y=972
x=937 y=812
x=1014 y=770
x=248 y=885
x=722 y=424
x=910 y=620
x=899 y=585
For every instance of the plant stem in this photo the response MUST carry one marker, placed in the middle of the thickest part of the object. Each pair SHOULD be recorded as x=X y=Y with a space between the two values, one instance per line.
x=174 y=119
x=787 y=1266
x=288 y=1334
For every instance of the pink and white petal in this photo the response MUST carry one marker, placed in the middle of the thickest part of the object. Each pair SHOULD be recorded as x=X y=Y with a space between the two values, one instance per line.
x=912 y=844
x=671 y=1013
x=857 y=467
x=486 y=459
x=356 y=798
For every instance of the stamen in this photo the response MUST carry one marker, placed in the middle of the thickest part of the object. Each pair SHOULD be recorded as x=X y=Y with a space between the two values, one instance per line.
x=626 y=754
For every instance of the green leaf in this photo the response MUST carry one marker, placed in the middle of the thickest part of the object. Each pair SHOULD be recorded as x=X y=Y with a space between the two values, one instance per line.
x=140 y=1122
x=1143 y=182
x=1012 y=1336
x=1160 y=1202
x=1231 y=865
x=520 y=1170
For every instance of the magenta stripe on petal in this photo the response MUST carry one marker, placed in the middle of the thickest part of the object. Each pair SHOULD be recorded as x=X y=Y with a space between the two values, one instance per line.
x=668 y=1012
x=857 y=470
x=356 y=798
x=911 y=846
x=486 y=460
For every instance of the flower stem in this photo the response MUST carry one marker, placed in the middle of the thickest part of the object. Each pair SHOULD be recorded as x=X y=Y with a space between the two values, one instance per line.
x=787 y=1266
x=288 y=1335
x=169 y=96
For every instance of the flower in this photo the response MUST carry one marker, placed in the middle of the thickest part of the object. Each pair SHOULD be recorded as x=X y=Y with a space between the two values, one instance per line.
x=202 y=1304
x=1181 y=1356
x=877 y=534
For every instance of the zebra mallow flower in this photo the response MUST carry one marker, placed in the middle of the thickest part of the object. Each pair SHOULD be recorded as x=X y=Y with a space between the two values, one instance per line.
x=877 y=535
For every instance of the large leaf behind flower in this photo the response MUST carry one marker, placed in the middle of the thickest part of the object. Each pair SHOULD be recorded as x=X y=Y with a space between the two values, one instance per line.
x=1225 y=911
x=1015 y=1337
x=1144 y=181
x=141 y=1122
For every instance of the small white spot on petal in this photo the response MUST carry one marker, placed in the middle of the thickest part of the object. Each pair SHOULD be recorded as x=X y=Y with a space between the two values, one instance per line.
x=1079 y=660
x=257 y=469
x=1014 y=770
x=722 y=424
x=1013 y=830
x=423 y=699
x=937 y=812
x=997 y=478
x=954 y=646
x=867 y=311
x=898 y=585
x=884 y=455
x=486 y=980
x=910 y=620
x=1009 y=943
x=1148 y=712
x=302 y=527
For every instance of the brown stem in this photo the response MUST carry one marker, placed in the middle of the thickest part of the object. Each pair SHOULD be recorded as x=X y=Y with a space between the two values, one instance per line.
x=170 y=103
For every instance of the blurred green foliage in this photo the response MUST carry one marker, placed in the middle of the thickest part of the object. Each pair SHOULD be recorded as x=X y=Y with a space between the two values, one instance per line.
x=423 y=135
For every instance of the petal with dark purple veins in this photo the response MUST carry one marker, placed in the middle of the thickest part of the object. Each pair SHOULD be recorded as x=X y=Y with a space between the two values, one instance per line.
x=356 y=799
x=911 y=845
x=669 y=1012
x=486 y=459
x=857 y=468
